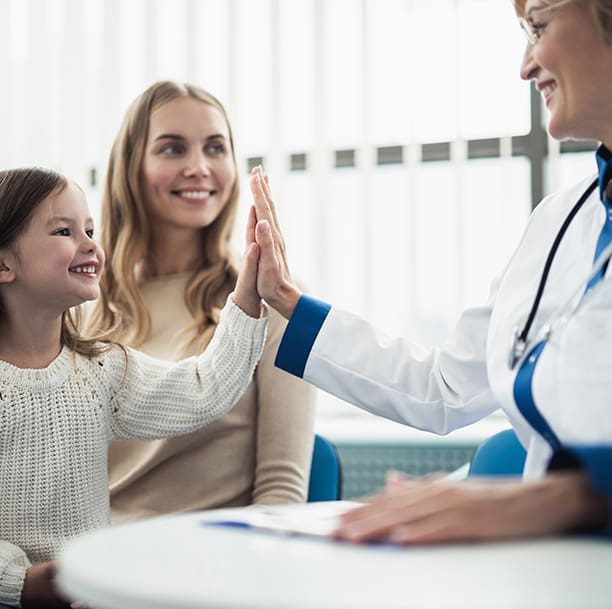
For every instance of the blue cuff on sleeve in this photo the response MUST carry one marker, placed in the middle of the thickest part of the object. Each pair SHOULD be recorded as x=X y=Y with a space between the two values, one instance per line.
x=300 y=334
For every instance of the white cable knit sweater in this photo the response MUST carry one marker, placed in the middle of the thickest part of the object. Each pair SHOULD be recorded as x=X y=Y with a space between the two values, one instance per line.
x=56 y=422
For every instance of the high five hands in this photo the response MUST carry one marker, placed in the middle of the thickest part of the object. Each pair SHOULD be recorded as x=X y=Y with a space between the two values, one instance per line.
x=274 y=282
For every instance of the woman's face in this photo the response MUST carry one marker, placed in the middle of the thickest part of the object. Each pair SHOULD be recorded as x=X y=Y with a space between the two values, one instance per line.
x=187 y=173
x=571 y=66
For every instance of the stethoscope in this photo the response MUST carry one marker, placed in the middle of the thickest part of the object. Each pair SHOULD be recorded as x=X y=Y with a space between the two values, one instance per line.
x=518 y=343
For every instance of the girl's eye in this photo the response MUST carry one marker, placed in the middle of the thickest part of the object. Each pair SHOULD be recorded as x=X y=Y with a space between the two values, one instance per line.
x=90 y=233
x=62 y=232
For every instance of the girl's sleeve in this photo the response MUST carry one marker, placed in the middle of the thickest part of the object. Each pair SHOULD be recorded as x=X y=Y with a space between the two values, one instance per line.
x=285 y=428
x=13 y=566
x=154 y=399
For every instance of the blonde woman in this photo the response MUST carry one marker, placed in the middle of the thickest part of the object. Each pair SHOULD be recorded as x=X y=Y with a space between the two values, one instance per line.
x=168 y=211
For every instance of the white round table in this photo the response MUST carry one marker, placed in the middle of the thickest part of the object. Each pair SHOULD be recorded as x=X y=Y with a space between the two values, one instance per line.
x=180 y=562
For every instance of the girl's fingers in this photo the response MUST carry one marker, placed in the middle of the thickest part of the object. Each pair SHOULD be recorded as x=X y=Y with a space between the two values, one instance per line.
x=245 y=293
x=250 y=228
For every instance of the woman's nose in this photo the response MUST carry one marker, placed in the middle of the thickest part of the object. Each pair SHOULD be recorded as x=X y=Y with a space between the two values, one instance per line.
x=197 y=164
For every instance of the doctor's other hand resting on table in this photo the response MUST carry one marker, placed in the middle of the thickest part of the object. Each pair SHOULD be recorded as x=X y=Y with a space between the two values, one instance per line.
x=552 y=304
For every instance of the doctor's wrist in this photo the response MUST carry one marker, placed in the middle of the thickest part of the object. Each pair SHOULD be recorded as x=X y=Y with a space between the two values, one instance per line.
x=285 y=299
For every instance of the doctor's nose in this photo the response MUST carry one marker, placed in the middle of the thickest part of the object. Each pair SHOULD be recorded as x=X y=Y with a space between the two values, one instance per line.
x=529 y=68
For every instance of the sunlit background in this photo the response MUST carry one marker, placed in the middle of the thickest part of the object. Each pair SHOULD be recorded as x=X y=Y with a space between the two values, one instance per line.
x=404 y=151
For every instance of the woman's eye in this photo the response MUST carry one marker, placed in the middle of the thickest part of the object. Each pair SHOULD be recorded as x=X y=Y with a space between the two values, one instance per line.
x=62 y=232
x=216 y=148
x=171 y=149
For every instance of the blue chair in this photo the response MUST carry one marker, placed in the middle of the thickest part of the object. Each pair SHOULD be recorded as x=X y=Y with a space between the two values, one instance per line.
x=500 y=455
x=325 y=472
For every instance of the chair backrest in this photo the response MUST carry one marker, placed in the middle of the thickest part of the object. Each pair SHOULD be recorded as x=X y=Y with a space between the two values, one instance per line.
x=325 y=472
x=500 y=455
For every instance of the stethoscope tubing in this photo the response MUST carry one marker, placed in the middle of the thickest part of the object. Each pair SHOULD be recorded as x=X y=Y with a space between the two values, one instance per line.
x=519 y=342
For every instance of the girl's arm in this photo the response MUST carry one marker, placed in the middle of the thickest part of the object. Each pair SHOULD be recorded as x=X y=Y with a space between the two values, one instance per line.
x=13 y=566
x=152 y=398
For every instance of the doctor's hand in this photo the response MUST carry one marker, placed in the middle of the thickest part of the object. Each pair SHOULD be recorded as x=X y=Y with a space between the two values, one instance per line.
x=416 y=511
x=274 y=281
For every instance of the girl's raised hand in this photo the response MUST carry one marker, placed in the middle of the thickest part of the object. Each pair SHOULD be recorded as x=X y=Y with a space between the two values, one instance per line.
x=274 y=281
x=245 y=293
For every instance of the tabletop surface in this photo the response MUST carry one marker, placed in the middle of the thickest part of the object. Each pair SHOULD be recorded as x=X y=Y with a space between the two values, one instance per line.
x=187 y=562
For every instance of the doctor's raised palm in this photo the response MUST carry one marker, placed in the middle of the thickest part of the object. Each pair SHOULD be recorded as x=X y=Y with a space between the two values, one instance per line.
x=274 y=282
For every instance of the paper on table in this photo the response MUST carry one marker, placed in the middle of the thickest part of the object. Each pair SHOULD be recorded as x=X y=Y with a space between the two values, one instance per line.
x=318 y=518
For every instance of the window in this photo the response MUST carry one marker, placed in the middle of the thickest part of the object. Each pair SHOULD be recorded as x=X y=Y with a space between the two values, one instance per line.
x=398 y=150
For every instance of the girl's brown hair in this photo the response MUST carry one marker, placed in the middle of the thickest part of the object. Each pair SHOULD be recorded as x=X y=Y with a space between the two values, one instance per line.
x=22 y=190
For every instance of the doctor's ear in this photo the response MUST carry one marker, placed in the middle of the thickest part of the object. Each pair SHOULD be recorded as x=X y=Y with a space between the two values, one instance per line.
x=7 y=272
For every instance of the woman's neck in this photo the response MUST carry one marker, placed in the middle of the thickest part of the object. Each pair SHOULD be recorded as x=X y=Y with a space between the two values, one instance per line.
x=175 y=253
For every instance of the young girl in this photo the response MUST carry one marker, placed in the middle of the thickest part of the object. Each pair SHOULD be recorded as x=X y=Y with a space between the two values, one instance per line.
x=63 y=398
x=168 y=212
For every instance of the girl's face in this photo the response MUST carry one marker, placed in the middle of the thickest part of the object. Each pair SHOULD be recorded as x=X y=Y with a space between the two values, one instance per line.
x=56 y=260
x=188 y=171
x=571 y=65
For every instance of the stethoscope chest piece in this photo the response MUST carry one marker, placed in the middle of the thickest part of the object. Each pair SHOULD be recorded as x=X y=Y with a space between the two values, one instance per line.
x=517 y=348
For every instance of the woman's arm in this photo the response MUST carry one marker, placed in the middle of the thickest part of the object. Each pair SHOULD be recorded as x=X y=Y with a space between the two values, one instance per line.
x=285 y=428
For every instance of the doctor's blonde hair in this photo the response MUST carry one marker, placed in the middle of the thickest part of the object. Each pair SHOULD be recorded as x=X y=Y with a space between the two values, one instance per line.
x=126 y=232
x=600 y=9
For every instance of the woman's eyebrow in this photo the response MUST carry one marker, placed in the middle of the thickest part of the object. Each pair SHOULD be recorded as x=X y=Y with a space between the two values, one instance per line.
x=174 y=136
x=168 y=136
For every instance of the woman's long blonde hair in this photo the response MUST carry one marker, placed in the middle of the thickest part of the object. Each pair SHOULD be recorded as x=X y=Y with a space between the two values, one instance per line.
x=120 y=312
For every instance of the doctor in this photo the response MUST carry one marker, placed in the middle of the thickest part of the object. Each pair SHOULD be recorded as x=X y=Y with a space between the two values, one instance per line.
x=541 y=349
